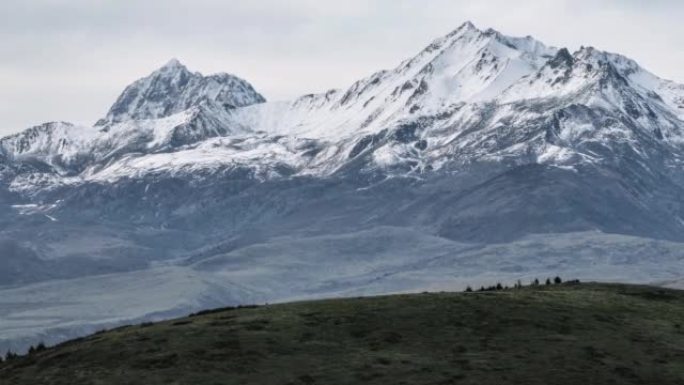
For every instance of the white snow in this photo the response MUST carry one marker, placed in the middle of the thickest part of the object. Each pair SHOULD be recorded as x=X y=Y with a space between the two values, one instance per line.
x=173 y=89
x=462 y=75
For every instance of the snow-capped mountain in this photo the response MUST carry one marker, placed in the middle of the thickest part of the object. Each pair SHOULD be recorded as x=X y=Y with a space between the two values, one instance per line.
x=469 y=96
x=173 y=89
x=484 y=155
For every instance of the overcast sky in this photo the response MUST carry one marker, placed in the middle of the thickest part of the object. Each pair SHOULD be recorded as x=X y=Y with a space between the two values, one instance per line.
x=69 y=59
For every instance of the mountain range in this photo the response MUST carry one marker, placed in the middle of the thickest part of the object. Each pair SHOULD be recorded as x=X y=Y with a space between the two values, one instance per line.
x=483 y=157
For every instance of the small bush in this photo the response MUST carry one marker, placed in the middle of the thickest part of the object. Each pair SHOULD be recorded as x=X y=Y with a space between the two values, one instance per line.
x=35 y=349
x=10 y=356
x=557 y=280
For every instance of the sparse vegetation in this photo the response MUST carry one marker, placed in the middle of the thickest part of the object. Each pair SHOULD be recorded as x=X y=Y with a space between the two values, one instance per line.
x=9 y=356
x=519 y=285
x=566 y=333
x=35 y=349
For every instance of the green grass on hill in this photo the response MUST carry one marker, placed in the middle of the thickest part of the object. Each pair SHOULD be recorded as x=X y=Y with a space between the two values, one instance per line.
x=563 y=334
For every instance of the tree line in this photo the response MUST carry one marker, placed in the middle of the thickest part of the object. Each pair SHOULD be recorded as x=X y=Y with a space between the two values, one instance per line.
x=519 y=285
x=9 y=356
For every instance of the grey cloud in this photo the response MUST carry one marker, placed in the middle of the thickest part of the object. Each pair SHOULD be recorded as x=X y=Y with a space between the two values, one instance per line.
x=69 y=59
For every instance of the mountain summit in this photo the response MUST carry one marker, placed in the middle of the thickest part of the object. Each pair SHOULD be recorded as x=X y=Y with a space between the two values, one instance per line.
x=173 y=88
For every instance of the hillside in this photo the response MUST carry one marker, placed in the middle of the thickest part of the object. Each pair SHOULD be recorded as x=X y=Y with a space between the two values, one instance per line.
x=561 y=334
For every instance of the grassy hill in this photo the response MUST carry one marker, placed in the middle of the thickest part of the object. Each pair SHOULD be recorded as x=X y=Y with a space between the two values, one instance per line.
x=560 y=334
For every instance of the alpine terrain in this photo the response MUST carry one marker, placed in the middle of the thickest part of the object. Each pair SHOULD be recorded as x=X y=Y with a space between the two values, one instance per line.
x=484 y=157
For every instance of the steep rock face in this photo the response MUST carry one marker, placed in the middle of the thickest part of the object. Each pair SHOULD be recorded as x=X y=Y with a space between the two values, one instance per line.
x=52 y=145
x=173 y=89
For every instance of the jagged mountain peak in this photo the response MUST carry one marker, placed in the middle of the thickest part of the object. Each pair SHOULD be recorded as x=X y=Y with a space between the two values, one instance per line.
x=469 y=46
x=173 y=88
x=173 y=63
x=469 y=33
x=563 y=58
x=467 y=25
x=173 y=70
x=465 y=65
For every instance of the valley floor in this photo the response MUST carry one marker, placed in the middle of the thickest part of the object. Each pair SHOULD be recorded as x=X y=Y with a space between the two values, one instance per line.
x=383 y=260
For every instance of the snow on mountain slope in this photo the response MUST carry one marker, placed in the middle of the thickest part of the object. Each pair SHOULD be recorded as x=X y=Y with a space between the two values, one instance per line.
x=603 y=80
x=70 y=154
x=669 y=93
x=262 y=154
x=469 y=96
x=57 y=144
x=169 y=109
x=467 y=65
x=173 y=89
x=478 y=95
